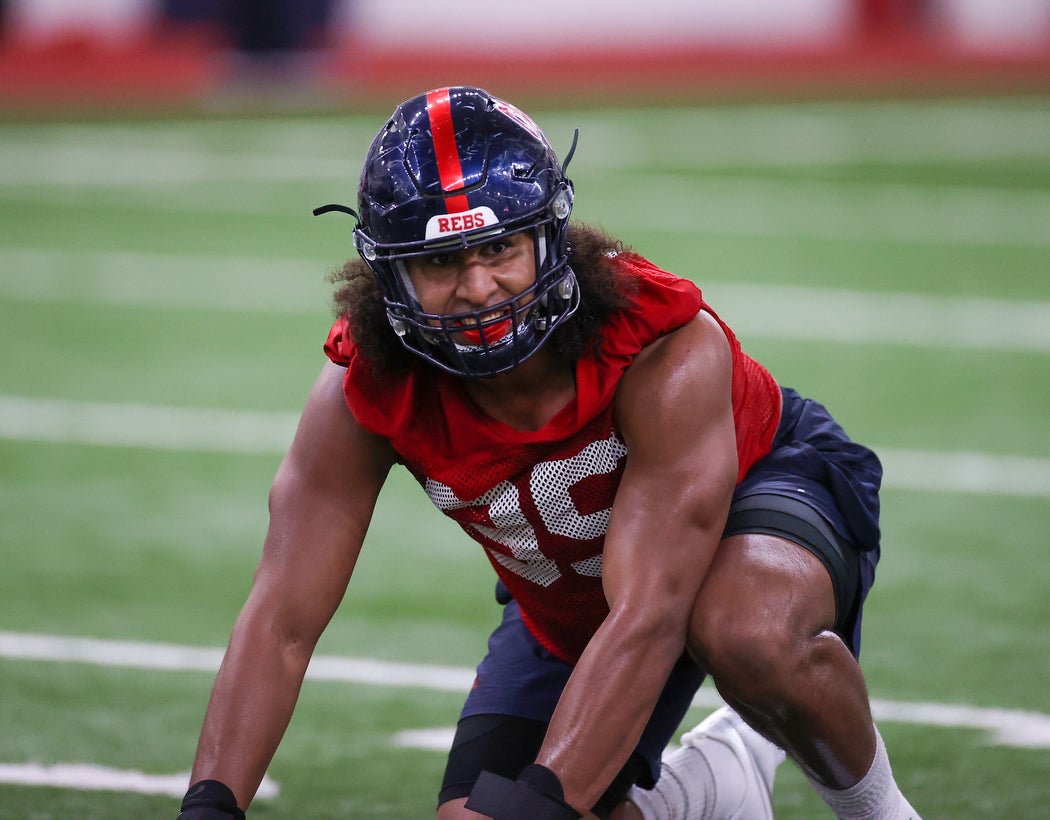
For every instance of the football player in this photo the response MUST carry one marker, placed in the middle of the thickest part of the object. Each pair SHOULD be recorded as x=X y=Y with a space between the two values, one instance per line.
x=657 y=508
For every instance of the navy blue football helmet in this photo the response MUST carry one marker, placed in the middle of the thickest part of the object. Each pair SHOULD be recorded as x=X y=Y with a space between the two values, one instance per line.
x=453 y=168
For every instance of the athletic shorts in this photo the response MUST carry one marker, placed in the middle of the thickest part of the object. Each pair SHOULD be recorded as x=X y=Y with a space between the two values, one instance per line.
x=815 y=488
x=819 y=489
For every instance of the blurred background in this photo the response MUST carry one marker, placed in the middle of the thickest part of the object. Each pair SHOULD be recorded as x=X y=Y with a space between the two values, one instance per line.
x=861 y=188
x=308 y=53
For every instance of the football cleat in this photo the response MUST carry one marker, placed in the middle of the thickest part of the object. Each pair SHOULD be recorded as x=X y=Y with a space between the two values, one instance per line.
x=757 y=756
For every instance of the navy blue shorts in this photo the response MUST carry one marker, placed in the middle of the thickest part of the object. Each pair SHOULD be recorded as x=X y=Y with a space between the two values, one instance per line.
x=819 y=489
x=816 y=488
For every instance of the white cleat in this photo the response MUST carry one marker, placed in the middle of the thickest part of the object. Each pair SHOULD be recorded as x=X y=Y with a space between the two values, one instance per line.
x=723 y=771
x=751 y=797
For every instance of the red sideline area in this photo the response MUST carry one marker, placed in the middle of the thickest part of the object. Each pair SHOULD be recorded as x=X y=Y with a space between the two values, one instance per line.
x=180 y=71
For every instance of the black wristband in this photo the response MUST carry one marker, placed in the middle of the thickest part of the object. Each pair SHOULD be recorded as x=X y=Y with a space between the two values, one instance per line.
x=210 y=800
x=536 y=795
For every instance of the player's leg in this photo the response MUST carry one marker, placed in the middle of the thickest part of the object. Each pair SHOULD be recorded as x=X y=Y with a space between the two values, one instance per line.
x=500 y=744
x=777 y=621
x=764 y=628
x=505 y=717
x=505 y=746
x=517 y=688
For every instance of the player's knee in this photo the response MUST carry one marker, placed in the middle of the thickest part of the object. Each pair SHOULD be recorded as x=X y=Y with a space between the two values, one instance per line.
x=754 y=657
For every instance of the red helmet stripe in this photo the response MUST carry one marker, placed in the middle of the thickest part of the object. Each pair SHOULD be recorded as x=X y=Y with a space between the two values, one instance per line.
x=439 y=109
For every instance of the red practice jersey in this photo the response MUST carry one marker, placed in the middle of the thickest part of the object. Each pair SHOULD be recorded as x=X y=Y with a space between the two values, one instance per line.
x=539 y=501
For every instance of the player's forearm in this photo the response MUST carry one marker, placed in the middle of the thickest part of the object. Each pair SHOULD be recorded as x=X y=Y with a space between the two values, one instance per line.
x=608 y=701
x=251 y=704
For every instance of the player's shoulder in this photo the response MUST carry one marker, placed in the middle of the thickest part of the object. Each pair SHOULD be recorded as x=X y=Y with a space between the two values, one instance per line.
x=697 y=343
x=678 y=368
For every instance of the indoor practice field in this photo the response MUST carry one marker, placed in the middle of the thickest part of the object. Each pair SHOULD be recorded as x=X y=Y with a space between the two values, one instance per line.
x=163 y=302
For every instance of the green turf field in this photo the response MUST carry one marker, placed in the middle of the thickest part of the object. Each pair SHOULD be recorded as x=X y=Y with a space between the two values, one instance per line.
x=889 y=258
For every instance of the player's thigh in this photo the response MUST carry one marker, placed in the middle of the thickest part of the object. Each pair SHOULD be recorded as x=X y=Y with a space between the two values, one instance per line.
x=763 y=596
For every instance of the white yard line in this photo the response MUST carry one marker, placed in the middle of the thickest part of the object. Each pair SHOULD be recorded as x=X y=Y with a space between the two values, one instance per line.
x=1007 y=727
x=147 y=426
x=175 y=657
x=827 y=211
x=882 y=319
x=965 y=472
x=298 y=286
x=91 y=777
x=165 y=280
x=269 y=433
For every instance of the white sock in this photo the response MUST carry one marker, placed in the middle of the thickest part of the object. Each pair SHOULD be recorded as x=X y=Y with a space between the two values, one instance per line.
x=875 y=797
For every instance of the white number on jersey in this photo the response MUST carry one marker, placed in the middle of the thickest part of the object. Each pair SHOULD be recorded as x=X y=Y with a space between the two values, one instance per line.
x=549 y=484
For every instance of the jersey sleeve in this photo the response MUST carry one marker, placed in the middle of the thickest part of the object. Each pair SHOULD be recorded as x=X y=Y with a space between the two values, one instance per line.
x=339 y=346
x=660 y=304
x=663 y=303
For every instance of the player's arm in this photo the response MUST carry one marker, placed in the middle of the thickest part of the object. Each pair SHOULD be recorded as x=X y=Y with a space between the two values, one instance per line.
x=321 y=503
x=674 y=409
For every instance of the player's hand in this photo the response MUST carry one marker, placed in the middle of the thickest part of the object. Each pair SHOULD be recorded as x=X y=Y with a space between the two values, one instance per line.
x=536 y=795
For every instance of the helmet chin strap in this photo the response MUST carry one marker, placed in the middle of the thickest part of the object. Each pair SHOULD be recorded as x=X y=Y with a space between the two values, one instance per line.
x=541 y=249
x=406 y=280
x=398 y=324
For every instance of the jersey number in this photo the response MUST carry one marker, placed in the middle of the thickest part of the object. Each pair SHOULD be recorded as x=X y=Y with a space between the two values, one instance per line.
x=549 y=485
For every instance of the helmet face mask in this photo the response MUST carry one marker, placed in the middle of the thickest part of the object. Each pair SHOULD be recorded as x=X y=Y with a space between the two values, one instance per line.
x=452 y=169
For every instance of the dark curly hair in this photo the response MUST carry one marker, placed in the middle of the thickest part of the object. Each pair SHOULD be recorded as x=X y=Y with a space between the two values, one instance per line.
x=603 y=291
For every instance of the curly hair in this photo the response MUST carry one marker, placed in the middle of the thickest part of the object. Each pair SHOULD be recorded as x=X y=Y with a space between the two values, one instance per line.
x=603 y=291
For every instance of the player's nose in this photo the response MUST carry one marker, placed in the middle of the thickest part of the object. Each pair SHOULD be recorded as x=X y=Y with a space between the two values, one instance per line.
x=476 y=282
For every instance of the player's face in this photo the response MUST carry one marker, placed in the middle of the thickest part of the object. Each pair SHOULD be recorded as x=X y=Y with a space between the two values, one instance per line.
x=473 y=279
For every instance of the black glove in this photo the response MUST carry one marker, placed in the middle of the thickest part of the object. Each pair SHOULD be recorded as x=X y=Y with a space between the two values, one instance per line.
x=536 y=795
x=210 y=800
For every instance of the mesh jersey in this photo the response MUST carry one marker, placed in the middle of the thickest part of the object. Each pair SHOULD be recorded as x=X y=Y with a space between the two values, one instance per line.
x=539 y=501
